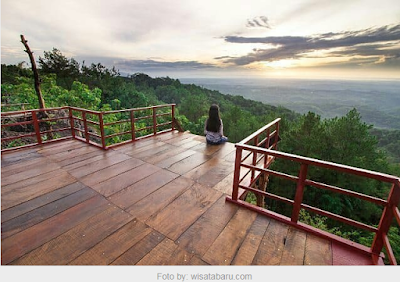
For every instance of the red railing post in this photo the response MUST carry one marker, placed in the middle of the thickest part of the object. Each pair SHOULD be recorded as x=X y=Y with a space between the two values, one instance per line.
x=236 y=175
x=102 y=134
x=298 y=199
x=133 y=125
x=85 y=126
x=253 y=173
x=173 y=117
x=154 y=121
x=277 y=136
x=71 y=120
x=36 y=127
x=386 y=219
x=267 y=146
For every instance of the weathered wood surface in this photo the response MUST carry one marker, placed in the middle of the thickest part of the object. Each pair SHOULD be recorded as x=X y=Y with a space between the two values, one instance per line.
x=160 y=200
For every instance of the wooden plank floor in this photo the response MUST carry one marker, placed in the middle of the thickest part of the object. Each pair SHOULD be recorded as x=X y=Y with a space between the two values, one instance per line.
x=158 y=201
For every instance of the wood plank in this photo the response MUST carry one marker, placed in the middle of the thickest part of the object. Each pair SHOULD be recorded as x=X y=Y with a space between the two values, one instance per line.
x=191 y=144
x=22 y=166
x=227 y=149
x=160 y=254
x=85 y=160
x=174 y=159
x=27 y=220
x=176 y=141
x=68 y=246
x=295 y=244
x=216 y=175
x=23 y=242
x=20 y=195
x=40 y=201
x=139 y=250
x=159 y=199
x=318 y=251
x=164 y=155
x=171 y=135
x=179 y=257
x=123 y=180
x=134 y=150
x=134 y=145
x=188 y=163
x=111 y=171
x=249 y=247
x=20 y=156
x=94 y=156
x=99 y=165
x=197 y=261
x=184 y=211
x=223 y=250
x=143 y=155
x=51 y=149
x=225 y=185
x=272 y=244
x=198 y=238
x=115 y=245
x=203 y=168
x=73 y=152
x=43 y=168
x=32 y=181
x=134 y=193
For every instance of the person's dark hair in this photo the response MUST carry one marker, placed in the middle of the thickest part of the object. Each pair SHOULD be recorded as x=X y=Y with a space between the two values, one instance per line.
x=214 y=120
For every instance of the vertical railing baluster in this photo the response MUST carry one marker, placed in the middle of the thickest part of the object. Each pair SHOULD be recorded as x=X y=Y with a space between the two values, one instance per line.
x=102 y=134
x=85 y=126
x=154 y=121
x=253 y=173
x=133 y=125
x=386 y=219
x=71 y=120
x=173 y=117
x=236 y=175
x=277 y=136
x=267 y=147
x=298 y=199
x=36 y=127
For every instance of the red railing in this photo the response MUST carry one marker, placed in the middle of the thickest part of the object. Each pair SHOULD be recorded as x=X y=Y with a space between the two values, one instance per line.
x=262 y=158
x=101 y=129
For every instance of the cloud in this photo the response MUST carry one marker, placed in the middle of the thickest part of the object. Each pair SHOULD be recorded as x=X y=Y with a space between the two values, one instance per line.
x=258 y=22
x=379 y=42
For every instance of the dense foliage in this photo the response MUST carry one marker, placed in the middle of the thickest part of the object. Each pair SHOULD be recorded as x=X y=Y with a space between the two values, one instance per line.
x=345 y=140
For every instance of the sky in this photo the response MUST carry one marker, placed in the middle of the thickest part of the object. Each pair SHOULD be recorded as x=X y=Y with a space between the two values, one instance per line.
x=354 y=39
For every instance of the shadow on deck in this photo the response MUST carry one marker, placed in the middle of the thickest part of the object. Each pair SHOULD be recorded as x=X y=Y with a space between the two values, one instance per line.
x=158 y=201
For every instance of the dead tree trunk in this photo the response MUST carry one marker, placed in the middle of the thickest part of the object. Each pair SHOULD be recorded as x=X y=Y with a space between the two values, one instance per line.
x=35 y=72
x=45 y=125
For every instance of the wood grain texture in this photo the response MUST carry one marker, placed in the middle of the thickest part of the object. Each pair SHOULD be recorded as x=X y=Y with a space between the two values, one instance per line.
x=272 y=244
x=114 y=245
x=22 y=194
x=159 y=199
x=114 y=170
x=140 y=249
x=160 y=254
x=40 y=201
x=295 y=243
x=174 y=159
x=108 y=161
x=188 y=163
x=29 y=239
x=71 y=244
x=318 y=251
x=249 y=247
x=134 y=193
x=123 y=180
x=223 y=250
x=184 y=211
x=198 y=238
x=42 y=213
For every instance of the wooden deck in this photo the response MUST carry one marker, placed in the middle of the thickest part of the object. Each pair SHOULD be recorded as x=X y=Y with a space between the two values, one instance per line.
x=158 y=201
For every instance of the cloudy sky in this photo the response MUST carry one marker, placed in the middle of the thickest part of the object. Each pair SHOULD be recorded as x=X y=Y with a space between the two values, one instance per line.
x=212 y=38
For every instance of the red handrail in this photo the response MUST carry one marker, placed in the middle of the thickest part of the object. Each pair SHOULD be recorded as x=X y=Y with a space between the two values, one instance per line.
x=87 y=134
x=258 y=168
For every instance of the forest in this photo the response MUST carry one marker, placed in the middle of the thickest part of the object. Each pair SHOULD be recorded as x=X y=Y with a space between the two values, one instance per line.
x=345 y=140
